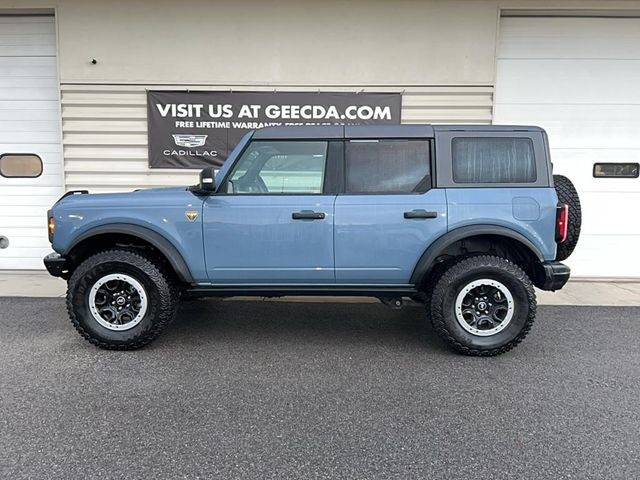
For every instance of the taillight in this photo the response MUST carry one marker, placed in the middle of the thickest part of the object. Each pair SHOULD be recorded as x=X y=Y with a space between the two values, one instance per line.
x=562 y=223
x=51 y=224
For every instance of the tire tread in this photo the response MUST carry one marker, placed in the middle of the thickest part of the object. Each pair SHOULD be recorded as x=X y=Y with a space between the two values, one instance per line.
x=568 y=194
x=156 y=274
x=461 y=267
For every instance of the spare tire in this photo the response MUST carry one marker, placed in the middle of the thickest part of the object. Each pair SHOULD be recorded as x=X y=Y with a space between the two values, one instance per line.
x=568 y=194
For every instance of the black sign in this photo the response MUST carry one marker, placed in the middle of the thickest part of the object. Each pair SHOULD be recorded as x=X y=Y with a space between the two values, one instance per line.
x=198 y=129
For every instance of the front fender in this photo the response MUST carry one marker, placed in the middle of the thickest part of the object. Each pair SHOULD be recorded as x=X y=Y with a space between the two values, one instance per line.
x=167 y=248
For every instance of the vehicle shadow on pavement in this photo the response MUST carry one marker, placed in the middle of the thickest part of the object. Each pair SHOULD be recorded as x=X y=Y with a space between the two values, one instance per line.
x=213 y=320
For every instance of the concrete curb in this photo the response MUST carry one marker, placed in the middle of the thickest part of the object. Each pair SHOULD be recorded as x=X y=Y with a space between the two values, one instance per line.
x=614 y=292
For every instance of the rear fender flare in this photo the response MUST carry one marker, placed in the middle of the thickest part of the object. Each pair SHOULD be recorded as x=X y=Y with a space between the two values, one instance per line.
x=436 y=248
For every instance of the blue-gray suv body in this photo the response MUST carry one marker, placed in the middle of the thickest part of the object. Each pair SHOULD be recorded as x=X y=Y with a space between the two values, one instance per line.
x=463 y=218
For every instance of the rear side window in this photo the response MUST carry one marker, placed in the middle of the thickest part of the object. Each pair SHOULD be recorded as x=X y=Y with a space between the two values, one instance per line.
x=387 y=166
x=493 y=160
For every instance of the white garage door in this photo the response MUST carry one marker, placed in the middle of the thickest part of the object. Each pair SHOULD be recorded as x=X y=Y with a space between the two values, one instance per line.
x=29 y=124
x=579 y=78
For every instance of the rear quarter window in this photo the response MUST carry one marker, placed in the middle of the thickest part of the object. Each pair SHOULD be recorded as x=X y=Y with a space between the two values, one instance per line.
x=493 y=160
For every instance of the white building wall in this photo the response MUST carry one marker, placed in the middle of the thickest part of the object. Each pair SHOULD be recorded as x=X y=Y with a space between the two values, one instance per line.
x=105 y=128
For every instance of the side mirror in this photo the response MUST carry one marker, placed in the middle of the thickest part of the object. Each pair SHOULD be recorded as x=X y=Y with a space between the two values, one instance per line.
x=207 y=180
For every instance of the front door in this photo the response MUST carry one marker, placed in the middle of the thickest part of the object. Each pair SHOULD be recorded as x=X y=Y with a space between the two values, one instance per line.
x=272 y=222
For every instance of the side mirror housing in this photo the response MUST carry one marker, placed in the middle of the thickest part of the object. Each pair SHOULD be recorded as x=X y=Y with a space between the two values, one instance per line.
x=207 y=180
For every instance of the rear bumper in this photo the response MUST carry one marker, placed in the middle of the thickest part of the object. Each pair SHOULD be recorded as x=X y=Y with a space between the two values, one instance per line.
x=56 y=265
x=551 y=275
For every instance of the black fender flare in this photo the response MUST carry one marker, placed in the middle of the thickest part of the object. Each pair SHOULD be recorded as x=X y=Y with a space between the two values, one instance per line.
x=163 y=245
x=423 y=266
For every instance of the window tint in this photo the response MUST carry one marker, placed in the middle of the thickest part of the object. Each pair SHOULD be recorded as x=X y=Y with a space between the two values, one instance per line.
x=20 y=165
x=493 y=160
x=280 y=167
x=387 y=166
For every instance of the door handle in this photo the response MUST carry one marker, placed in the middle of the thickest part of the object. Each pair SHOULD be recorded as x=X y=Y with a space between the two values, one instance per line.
x=420 y=214
x=307 y=215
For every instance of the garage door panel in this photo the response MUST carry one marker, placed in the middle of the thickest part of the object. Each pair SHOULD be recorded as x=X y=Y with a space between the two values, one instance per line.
x=50 y=192
x=28 y=82
x=578 y=78
x=49 y=178
x=578 y=165
x=29 y=93
x=39 y=148
x=30 y=210
x=602 y=134
x=31 y=197
x=28 y=67
x=27 y=126
x=601 y=213
x=27 y=242
x=606 y=256
x=578 y=81
x=567 y=27
x=30 y=27
x=43 y=39
x=21 y=263
x=24 y=138
x=564 y=112
x=536 y=47
x=31 y=50
x=594 y=135
x=17 y=251
x=9 y=222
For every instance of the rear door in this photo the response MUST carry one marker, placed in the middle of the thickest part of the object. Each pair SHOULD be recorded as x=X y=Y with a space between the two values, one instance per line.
x=388 y=214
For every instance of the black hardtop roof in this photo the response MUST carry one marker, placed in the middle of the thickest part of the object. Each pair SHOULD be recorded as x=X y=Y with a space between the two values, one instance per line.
x=379 y=131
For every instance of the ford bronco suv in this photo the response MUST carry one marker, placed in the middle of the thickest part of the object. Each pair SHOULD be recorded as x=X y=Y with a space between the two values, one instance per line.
x=466 y=219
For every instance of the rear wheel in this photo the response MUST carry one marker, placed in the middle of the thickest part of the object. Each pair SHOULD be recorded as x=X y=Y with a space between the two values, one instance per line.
x=483 y=305
x=119 y=299
x=568 y=194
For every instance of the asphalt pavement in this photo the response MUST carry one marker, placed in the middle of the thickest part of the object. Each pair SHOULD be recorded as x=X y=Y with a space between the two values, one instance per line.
x=318 y=390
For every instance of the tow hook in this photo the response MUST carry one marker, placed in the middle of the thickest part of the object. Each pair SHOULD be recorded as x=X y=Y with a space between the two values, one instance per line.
x=394 y=303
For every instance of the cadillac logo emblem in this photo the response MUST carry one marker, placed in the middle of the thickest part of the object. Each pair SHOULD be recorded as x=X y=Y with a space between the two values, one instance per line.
x=189 y=140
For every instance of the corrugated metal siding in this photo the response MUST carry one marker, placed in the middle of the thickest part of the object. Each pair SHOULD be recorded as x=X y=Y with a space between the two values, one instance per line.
x=105 y=128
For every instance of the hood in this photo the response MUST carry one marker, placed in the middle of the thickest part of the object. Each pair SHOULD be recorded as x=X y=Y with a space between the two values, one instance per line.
x=136 y=197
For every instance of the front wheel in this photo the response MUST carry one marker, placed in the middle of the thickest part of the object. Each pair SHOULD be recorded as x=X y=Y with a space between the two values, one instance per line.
x=483 y=305
x=120 y=300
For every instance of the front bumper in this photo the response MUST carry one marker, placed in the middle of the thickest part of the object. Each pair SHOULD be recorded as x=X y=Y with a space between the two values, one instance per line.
x=550 y=275
x=56 y=265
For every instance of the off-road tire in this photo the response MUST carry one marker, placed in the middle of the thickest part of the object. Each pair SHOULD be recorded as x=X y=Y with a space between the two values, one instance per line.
x=163 y=296
x=426 y=292
x=568 y=194
x=453 y=280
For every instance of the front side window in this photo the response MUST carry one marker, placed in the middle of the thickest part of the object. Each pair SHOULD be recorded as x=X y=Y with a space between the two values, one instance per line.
x=493 y=160
x=387 y=166
x=280 y=167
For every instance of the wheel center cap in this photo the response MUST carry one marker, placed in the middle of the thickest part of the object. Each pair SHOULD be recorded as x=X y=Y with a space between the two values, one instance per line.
x=482 y=305
x=120 y=300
